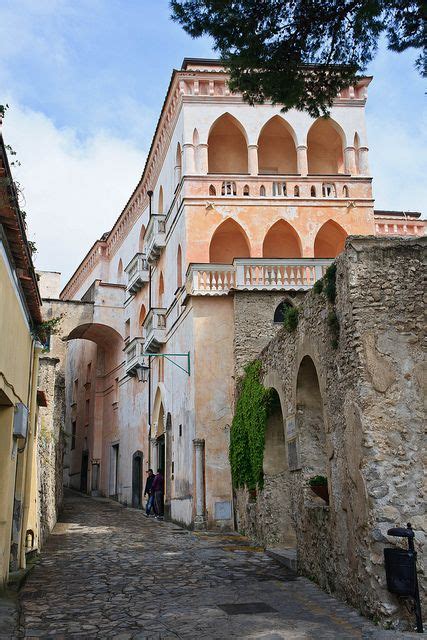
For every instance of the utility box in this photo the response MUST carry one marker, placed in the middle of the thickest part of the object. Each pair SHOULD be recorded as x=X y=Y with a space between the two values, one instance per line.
x=20 y=421
x=400 y=569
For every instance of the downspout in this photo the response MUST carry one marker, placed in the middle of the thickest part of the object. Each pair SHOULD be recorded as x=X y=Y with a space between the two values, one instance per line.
x=150 y=197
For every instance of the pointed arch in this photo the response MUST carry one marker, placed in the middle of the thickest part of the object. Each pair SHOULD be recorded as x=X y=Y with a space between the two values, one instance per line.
x=120 y=276
x=227 y=146
x=277 y=152
x=281 y=241
x=160 y=201
x=212 y=190
x=330 y=240
x=161 y=290
x=179 y=267
x=178 y=165
x=325 y=147
x=158 y=409
x=196 y=139
x=141 y=239
x=229 y=241
x=142 y=315
x=356 y=144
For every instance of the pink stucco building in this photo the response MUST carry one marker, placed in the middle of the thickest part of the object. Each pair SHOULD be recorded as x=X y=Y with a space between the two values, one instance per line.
x=232 y=198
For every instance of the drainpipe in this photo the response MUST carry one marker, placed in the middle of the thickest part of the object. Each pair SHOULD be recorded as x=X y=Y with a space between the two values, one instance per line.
x=150 y=197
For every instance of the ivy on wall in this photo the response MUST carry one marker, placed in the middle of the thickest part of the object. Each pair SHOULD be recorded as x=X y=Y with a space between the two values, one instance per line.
x=247 y=437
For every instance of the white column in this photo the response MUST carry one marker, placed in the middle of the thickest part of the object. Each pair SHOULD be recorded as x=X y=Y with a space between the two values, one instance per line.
x=302 y=163
x=363 y=161
x=154 y=454
x=202 y=150
x=350 y=160
x=253 y=159
x=189 y=161
x=199 y=451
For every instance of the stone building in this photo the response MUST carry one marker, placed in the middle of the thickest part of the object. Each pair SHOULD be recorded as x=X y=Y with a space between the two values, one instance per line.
x=350 y=409
x=20 y=316
x=233 y=199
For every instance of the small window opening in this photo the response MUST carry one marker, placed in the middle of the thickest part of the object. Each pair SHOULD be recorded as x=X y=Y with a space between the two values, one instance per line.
x=279 y=314
x=296 y=191
x=313 y=191
x=345 y=191
x=246 y=190
x=328 y=190
x=262 y=190
x=180 y=430
x=212 y=190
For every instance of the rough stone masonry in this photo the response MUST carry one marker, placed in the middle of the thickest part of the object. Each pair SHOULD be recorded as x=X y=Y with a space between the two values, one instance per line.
x=350 y=382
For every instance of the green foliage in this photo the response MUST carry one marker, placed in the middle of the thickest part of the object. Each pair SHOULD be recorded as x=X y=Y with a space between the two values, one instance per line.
x=247 y=437
x=3 y=109
x=318 y=286
x=318 y=481
x=301 y=54
x=290 y=319
x=334 y=326
x=329 y=285
x=45 y=329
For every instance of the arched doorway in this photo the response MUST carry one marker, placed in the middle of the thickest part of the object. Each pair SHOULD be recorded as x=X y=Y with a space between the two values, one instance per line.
x=137 y=479
x=325 y=144
x=310 y=424
x=227 y=146
x=330 y=240
x=276 y=148
x=281 y=241
x=228 y=242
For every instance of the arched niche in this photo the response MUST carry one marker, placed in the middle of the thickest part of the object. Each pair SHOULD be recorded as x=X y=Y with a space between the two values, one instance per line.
x=178 y=165
x=120 y=274
x=330 y=240
x=227 y=146
x=142 y=315
x=179 y=267
x=141 y=239
x=277 y=152
x=281 y=241
x=228 y=242
x=274 y=461
x=160 y=201
x=161 y=290
x=325 y=144
x=310 y=420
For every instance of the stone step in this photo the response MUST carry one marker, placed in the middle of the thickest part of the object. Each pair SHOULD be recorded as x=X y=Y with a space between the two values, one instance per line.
x=286 y=557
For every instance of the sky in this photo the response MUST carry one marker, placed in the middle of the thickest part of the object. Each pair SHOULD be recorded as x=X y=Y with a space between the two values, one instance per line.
x=85 y=81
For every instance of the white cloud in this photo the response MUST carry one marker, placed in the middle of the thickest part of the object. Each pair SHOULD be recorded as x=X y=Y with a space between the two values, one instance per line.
x=74 y=190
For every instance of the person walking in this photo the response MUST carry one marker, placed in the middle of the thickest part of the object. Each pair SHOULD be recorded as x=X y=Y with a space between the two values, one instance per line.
x=157 y=489
x=148 y=491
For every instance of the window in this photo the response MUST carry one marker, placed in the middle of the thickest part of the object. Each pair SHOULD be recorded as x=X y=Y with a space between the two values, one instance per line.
x=228 y=188
x=212 y=190
x=296 y=191
x=262 y=191
x=328 y=190
x=246 y=190
x=279 y=314
x=73 y=434
x=180 y=430
x=345 y=191
x=313 y=191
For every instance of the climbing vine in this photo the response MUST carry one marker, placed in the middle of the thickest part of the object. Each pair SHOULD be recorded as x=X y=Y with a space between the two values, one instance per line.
x=247 y=439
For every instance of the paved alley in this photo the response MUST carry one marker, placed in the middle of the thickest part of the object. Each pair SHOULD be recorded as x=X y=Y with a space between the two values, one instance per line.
x=109 y=572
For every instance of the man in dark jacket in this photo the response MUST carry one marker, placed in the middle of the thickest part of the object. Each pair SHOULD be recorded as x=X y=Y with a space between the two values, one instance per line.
x=157 y=490
x=148 y=491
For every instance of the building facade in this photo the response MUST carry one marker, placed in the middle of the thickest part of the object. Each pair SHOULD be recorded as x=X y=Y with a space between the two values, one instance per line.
x=233 y=198
x=20 y=304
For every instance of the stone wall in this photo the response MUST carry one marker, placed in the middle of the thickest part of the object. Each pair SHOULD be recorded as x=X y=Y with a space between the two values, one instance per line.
x=352 y=412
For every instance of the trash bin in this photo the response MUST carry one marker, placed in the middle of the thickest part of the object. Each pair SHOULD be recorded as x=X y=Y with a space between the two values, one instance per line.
x=401 y=570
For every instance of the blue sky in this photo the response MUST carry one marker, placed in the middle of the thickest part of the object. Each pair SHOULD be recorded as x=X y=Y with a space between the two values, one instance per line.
x=85 y=81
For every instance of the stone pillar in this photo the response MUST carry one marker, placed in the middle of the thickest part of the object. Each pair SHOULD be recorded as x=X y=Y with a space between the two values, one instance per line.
x=253 y=159
x=302 y=162
x=350 y=160
x=153 y=464
x=199 y=484
x=363 y=161
x=189 y=160
x=202 y=150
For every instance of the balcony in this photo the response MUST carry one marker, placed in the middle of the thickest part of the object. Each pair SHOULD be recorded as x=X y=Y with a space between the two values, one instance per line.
x=155 y=237
x=255 y=274
x=155 y=330
x=137 y=273
x=133 y=354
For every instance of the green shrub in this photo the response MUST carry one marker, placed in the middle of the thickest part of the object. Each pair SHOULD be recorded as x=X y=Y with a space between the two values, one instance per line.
x=334 y=325
x=290 y=319
x=318 y=286
x=247 y=436
x=318 y=481
x=330 y=282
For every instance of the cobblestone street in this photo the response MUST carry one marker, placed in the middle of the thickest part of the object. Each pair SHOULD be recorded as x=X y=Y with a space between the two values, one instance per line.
x=109 y=572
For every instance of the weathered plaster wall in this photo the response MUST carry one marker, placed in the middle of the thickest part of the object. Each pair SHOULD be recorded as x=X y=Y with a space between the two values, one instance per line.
x=371 y=393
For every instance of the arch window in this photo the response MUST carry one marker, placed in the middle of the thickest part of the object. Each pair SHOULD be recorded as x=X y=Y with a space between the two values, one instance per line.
x=179 y=267
x=345 y=191
x=328 y=190
x=313 y=191
x=228 y=242
x=281 y=241
x=212 y=190
x=296 y=191
x=276 y=148
x=227 y=146
x=279 y=313
x=330 y=240
x=160 y=201
x=325 y=143
x=246 y=190
x=262 y=192
x=161 y=290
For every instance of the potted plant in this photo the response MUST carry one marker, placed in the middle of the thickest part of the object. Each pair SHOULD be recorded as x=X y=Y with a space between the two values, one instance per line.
x=319 y=485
